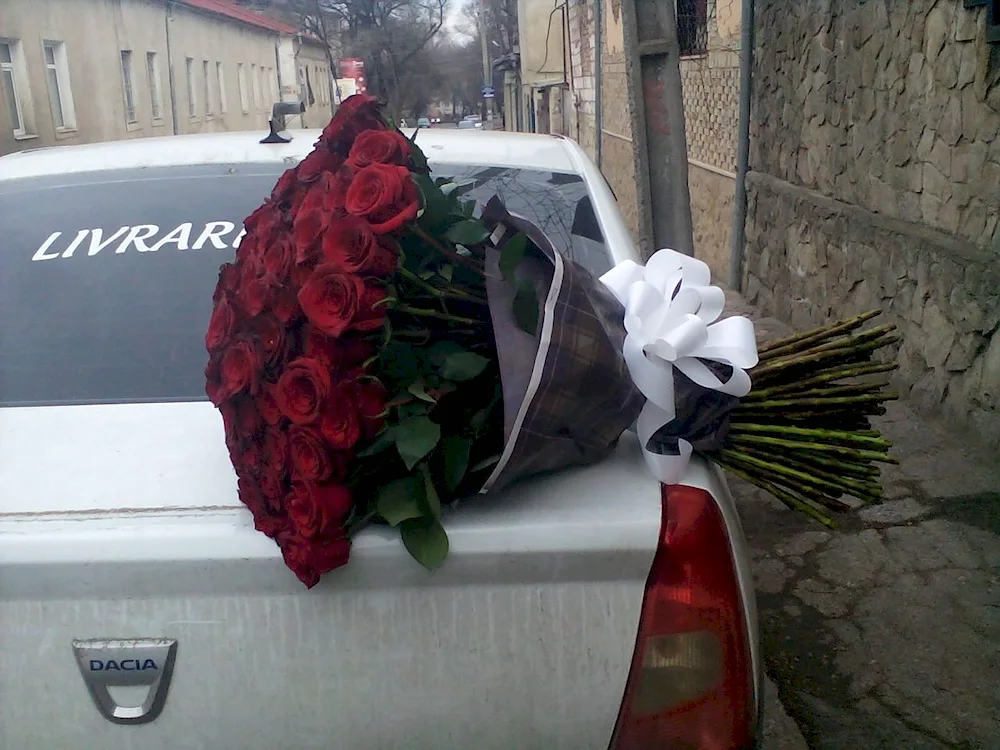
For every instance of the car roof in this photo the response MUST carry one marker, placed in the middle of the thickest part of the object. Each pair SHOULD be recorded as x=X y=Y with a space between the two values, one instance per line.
x=451 y=146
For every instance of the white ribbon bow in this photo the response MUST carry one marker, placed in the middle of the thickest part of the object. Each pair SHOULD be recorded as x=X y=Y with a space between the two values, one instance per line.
x=670 y=314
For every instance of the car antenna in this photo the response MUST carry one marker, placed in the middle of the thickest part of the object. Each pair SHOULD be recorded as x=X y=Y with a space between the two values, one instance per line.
x=278 y=132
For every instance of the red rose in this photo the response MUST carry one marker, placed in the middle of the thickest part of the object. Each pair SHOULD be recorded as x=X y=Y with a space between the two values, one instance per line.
x=339 y=422
x=379 y=147
x=261 y=227
x=285 y=186
x=276 y=449
x=385 y=195
x=330 y=299
x=271 y=524
x=316 y=509
x=370 y=398
x=213 y=381
x=310 y=223
x=271 y=336
x=240 y=366
x=248 y=458
x=355 y=115
x=344 y=353
x=285 y=305
x=303 y=386
x=258 y=293
x=310 y=455
x=272 y=484
x=371 y=314
x=350 y=244
x=229 y=281
x=277 y=259
x=250 y=495
x=319 y=161
x=221 y=326
x=311 y=558
x=267 y=404
x=247 y=422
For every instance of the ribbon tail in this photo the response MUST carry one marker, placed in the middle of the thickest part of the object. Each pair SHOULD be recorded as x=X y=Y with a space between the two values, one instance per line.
x=666 y=468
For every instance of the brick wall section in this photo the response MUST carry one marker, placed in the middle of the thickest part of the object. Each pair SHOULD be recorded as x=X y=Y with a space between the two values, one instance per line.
x=581 y=35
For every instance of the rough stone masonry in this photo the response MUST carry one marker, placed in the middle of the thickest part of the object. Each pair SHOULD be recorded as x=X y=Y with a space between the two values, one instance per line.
x=876 y=183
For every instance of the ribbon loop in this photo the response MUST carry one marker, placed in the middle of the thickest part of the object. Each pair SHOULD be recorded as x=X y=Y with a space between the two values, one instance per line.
x=671 y=320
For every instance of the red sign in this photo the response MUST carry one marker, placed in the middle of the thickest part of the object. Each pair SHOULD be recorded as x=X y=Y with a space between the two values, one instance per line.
x=354 y=67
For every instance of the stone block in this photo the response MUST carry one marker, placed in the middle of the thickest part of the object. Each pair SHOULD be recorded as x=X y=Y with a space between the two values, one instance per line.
x=934 y=183
x=964 y=351
x=928 y=391
x=939 y=335
x=936 y=30
x=967 y=160
x=966 y=65
x=946 y=67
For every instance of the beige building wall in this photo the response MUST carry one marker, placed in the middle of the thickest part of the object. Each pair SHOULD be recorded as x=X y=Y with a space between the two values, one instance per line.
x=317 y=93
x=241 y=63
x=711 y=89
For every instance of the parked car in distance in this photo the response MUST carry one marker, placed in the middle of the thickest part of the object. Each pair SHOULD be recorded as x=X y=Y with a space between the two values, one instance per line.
x=589 y=610
x=423 y=122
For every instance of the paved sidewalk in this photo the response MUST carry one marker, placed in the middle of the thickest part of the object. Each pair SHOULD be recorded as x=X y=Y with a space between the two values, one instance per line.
x=886 y=632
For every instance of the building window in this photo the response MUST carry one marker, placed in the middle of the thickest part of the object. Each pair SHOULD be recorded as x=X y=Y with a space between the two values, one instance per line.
x=241 y=81
x=192 y=104
x=13 y=81
x=255 y=83
x=692 y=27
x=153 y=81
x=206 y=88
x=220 y=79
x=128 y=90
x=57 y=77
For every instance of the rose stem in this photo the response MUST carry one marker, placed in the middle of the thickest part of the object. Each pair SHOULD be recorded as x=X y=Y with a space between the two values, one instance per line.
x=434 y=314
x=805 y=340
x=785 y=497
x=840 y=450
x=451 y=254
x=830 y=435
x=824 y=376
x=454 y=293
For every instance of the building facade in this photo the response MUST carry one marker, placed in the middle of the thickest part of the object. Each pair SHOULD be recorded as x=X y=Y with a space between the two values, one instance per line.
x=78 y=71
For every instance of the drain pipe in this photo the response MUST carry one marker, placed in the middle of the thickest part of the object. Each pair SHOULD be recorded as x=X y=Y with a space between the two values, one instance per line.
x=598 y=49
x=171 y=85
x=742 y=148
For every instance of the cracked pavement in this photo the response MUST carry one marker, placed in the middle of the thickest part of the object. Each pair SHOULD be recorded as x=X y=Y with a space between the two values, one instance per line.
x=885 y=633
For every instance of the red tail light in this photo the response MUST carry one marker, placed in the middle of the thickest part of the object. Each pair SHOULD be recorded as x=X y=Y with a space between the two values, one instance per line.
x=691 y=686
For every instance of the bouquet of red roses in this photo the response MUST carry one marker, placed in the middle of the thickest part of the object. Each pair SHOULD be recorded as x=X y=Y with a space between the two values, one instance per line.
x=373 y=344
x=381 y=348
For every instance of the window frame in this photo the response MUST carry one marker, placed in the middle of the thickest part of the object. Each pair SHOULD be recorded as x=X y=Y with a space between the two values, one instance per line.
x=241 y=82
x=20 y=89
x=255 y=94
x=692 y=27
x=206 y=89
x=153 y=82
x=59 y=69
x=128 y=89
x=189 y=80
x=220 y=82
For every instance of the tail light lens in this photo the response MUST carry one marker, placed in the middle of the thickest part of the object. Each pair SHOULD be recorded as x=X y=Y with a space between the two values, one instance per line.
x=691 y=686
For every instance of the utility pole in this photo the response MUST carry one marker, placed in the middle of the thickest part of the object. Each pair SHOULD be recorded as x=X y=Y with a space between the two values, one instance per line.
x=487 y=102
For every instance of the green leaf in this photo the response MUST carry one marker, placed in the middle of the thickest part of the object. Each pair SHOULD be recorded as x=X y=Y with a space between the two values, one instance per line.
x=400 y=500
x=467 y=232
x=440 y=350
x=420 y=391
x=526 y=308
x=462 y=366
x=426 y=541
x=485 y=463
x=447 y=188
x=413 y=409
x=469 y=208
x=512 y=254
x=446 y=271
x=435 y=203
x=433 y=500
x=415 y=438
x=383 y=440
x=400 y=362
x=455 y=451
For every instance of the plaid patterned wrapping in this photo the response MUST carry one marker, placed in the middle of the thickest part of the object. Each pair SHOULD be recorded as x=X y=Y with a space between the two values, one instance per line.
x=567 y=404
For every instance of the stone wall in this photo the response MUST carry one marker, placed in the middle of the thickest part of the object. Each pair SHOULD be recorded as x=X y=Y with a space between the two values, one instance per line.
x=876 y=183
x=892 y=106
x=712 y=217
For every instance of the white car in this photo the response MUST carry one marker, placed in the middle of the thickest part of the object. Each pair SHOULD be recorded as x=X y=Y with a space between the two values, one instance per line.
x=139 y=608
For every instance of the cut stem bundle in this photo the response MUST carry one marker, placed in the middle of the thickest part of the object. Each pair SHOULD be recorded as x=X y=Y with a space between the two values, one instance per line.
x=803 y=433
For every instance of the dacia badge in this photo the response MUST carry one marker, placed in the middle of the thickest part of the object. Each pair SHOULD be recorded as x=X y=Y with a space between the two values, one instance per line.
x=133 y=662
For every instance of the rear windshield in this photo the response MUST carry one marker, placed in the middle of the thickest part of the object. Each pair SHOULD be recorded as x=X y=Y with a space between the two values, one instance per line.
x=106 y=278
